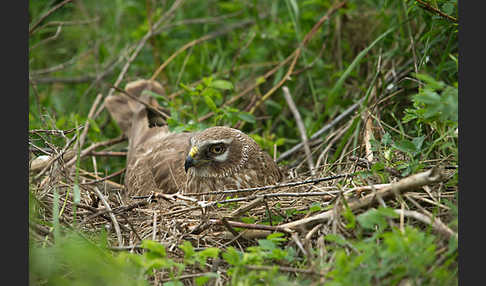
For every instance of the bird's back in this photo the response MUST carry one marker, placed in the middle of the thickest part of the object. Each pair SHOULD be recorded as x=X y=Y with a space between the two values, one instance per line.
x=157 y=162
x=155 y=159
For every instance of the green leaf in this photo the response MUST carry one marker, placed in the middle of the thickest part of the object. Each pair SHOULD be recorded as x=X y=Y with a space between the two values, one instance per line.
x=153 y=94
x=430 y=81
x=210 y=103
x=372 y=218
x=94 y=125
x=154 y=247
x=232 y=256
x=221 y=84
x=350 y=217
x=386 y=139
x=188 y=249
x=201 y=280
x=448 y=8
x=418 y=142
x=336 y=238
x=209 y=252
x=260 y=80
x=186 y=88
x=248 y=220
x=388 y=212
x=405 y=146
x=315 y=207
x=427 y=96
x=102 y=52
x=378 y=166
x=355 y=62
x=266 y=244
x=207 y=81
x=276 y=237
x=245 y=116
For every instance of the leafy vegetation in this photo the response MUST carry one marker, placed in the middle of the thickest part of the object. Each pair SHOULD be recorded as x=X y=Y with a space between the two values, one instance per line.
x=400 y=58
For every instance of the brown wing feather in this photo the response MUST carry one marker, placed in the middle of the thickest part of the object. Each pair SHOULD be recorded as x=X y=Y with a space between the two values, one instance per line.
x=155 y=159
x=159 y=161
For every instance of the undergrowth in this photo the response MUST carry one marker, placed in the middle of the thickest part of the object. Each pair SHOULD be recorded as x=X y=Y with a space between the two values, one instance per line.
x=399 y=57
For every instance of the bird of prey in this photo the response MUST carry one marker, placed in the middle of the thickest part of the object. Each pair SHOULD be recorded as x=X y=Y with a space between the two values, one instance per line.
x=215 y=159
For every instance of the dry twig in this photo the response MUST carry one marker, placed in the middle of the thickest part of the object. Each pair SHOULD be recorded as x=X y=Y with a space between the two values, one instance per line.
x=301 y=127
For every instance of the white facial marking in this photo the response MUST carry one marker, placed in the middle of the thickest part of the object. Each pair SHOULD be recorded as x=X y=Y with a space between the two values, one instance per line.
x=222 y=157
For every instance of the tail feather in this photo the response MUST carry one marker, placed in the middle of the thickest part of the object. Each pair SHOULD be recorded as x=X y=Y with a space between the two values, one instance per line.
x=130 y=115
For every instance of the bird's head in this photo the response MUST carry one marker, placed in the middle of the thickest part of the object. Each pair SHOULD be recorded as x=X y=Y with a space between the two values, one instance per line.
x=218 y=152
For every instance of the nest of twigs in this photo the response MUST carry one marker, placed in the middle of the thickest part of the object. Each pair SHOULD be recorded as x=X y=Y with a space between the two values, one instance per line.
x=304 y=207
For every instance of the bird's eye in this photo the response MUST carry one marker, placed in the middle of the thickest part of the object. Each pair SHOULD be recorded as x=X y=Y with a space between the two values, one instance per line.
x=217 y=149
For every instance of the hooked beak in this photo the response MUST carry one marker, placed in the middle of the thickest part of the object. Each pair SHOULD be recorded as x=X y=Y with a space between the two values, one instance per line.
x=190 y=161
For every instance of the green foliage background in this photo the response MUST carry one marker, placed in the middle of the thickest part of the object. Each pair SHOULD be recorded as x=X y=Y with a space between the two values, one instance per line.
x=337 y=68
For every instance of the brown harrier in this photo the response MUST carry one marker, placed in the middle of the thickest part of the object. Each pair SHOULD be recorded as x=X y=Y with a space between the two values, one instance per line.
x=218 y=158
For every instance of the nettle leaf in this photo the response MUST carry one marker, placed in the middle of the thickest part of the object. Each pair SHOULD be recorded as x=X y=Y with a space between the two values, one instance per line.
x=221 y=84
x=386 y=139
x=201 y=280
x=433 y=83
x=418 y=142
x=378 y=166
x=267 y=244
x=276 y=237
x=405 y=146
x=388 y=212
x=427 y=96
x=232 y=256
x=315 y=207
x=371 y=219
x=154 y=247
x=350 y=217
x=279 y=141
x=248 y=219
x=448 y=8
x=336 y=238
x=209 y=252
x=207 y=80
x=188 y=249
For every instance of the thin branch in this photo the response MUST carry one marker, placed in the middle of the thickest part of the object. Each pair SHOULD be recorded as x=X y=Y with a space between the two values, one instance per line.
x=43 y=17
x=412 y=182
x=58 y=31
x=301 y=127
x=93 y=146
x=283 y=268
x=271 y=187
x=200 y=40
x=105 y=178
x=435 y=222
x=427 y=6
x=141 y=44
x=87 y=123
x=322 y=130
x=112 y=216
x=296 y=54
x=107 y=153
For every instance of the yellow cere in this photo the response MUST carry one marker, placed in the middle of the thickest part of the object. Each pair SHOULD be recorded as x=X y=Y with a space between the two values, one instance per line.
x=193 y=151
